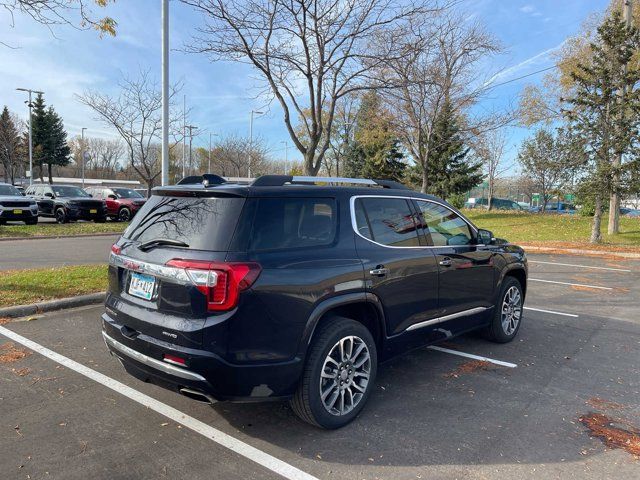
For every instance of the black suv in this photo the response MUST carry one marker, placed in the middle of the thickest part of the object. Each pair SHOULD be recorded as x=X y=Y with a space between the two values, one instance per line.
x=285 y=289
x=67 y=202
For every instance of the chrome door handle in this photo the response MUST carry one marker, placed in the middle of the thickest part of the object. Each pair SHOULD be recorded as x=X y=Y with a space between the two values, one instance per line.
x=379 y=272
x=446 y=262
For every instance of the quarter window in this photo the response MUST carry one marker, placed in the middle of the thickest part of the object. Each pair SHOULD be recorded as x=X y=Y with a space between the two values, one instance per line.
x=445 y=227
x=388 y=221
x=293 y=222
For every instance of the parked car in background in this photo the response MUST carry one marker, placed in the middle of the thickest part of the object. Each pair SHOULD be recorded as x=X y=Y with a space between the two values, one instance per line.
x=15 y=208
x=630 y=212
x=142 y=191
x=20 y=189
x=496 y=203
x=122 y=203
x=66 y=203
x=562 y=208
x=284 y=289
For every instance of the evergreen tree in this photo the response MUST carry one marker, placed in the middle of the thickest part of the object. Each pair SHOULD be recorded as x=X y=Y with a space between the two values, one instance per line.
x=449 y=171
x=375 y=151
x=10 y=146
x=49 y=138
x=57 y=149
x=604 y=111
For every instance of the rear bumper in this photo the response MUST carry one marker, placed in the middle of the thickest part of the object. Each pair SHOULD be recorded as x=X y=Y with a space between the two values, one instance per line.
x=142 y=357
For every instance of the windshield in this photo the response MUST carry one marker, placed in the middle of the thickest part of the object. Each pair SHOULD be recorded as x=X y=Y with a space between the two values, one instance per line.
x=62 y=191
x=126 y=193
x=9 y=191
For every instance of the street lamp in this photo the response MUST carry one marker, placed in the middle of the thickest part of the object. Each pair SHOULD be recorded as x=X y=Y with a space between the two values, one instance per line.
x=191 y=129
x=251 y=139
x=83 y=152
x=30 y=134
x=165 y=93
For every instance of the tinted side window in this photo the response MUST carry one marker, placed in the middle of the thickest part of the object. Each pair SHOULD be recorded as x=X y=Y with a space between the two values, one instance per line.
x=293 y=223
x=390 y=221
x=445 y=227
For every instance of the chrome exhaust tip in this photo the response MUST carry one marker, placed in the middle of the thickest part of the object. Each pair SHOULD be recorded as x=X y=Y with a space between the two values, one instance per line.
x=198 y=396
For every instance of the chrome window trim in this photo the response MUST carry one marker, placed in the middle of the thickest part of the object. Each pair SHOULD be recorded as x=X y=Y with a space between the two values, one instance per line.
x=446 y=318
x=354 y=224
x=151 y=362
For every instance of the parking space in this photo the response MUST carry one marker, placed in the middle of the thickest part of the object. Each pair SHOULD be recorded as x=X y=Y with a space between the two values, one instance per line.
x=521 y=410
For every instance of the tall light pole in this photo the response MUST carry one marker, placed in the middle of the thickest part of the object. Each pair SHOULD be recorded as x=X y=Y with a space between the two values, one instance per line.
x=82 y=154
x=184 y=134
x=30 y=131
x=209 y=164
x=286 y=155
x=251 y=139
x=191 y=129
x=165 y=93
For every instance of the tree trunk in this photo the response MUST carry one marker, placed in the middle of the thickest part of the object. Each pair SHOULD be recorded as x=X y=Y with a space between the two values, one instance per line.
x=425 y=180
x=596 y=236
x=614 y=214
x=50 y=174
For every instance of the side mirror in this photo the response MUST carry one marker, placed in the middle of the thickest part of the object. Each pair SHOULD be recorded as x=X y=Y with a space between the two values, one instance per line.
x=48 y=194
x=113 y=197
x=485 y=237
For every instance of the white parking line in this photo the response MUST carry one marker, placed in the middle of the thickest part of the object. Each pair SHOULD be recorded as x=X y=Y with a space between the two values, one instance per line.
x=258 y=456
x=572 y=284
x=475 y=357
x=582 y=266
x=551 y=311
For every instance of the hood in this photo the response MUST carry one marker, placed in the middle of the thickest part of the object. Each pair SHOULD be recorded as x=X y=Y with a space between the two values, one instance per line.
x=13 y=198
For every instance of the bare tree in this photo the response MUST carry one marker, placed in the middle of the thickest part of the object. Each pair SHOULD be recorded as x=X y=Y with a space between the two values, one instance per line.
x=136 y=115
x=105 y=156
x=230 y=157
x=490 y=148
x=11 y=145
x=440 y=66
x=57 y=12
x=309 y=54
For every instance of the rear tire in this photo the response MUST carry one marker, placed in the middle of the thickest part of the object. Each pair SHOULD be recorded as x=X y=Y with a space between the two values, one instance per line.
x=339 y=374
x=507 y=315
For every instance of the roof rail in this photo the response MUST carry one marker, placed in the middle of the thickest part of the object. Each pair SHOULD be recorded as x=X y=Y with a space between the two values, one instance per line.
x=280 y=180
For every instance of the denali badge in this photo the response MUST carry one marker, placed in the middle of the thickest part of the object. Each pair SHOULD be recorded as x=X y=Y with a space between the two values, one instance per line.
x=172 y=335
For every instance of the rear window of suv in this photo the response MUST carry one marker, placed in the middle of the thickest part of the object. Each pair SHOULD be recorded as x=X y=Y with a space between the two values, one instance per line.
x=281 y=223
x=203 y=223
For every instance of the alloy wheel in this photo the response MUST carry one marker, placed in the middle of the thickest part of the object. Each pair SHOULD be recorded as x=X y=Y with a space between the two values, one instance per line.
x=345 y=375
x=511 y=310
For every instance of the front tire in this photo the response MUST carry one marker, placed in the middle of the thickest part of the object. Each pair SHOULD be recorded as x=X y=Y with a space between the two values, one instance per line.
x=507 y=315
x=61 y=216
x=338 y=376
x=124 y=215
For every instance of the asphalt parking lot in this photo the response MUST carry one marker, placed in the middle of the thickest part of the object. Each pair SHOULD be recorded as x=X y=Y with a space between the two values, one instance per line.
x=69 y=411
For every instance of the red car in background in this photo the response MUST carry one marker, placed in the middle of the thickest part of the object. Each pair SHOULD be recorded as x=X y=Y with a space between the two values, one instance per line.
x=122 y=203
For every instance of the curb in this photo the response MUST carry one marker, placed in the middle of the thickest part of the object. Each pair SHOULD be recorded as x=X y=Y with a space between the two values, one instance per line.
x=580 y=251
x=49 y=306
x=48 y=237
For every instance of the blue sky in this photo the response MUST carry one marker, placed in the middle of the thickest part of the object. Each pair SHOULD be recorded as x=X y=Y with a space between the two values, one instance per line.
x=221 y=95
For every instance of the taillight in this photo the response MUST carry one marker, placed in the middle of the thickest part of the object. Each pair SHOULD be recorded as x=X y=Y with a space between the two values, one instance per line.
x=116 y=249
x=220 y=282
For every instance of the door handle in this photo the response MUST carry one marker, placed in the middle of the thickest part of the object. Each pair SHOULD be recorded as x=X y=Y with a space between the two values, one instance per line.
x=379 y=271
x=446 y=262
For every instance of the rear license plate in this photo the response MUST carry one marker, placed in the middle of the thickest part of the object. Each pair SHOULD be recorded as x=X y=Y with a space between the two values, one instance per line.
x=141 y=285
x=17 y=212
x=93 y=210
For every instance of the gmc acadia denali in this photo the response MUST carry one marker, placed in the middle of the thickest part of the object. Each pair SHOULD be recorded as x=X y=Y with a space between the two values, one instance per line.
x=291 y=289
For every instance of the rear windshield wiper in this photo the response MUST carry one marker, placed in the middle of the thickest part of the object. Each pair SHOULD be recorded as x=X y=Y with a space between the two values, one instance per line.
x=156 y=242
